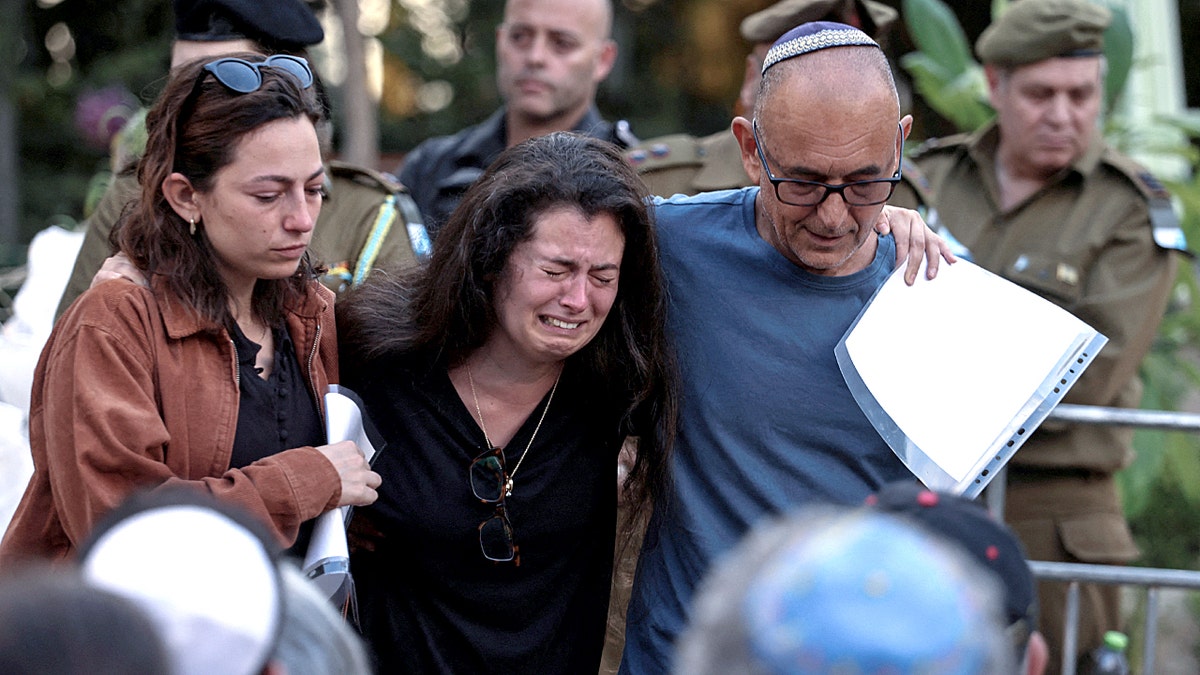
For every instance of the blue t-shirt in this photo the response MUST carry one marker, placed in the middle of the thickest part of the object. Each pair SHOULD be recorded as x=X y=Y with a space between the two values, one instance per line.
x=766 y=421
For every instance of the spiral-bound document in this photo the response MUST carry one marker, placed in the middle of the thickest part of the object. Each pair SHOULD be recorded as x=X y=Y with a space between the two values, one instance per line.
x=956 y=372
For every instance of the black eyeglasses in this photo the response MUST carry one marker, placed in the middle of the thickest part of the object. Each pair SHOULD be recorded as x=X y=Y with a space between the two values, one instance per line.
x=797 y=192
x=246 y=76
x=489 y=480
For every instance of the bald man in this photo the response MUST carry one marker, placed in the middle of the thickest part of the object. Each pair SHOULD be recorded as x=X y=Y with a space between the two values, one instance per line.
x=760 y=295
x=551 y=56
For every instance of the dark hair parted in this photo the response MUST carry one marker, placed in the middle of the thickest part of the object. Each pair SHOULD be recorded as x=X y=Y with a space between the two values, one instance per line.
x=195 y=128
x=446 y=310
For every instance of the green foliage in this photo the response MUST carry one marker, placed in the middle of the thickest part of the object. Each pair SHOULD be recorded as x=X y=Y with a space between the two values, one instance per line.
x=937 y=34
x=959 y=97
x=1168 y=539
x=1118 y=52
x=943 y=70
x=124 y=43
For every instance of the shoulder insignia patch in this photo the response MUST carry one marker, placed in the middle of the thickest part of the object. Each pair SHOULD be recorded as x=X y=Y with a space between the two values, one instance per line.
x=938 y=144
x=365 y=176
x=667 y=152
x=1163 y=219
x=1153 y=185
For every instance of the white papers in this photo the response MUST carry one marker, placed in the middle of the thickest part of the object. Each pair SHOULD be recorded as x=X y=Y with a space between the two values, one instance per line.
x=327 y=561
x=957 y=372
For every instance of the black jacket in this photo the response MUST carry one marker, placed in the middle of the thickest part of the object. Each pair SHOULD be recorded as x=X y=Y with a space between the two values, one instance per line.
x=440 y=169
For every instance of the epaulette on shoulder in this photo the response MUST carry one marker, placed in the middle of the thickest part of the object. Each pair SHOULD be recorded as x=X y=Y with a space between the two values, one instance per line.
x=1140 y=176
x=1164 y=220
x=939 y=144
x=380 y=180
x=666 y=152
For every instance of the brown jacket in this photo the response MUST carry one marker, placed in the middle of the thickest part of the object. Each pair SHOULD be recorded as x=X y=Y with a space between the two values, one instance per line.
x=134 y=390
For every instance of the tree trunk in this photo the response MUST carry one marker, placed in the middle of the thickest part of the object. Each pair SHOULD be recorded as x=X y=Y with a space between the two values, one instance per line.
x=360 y=128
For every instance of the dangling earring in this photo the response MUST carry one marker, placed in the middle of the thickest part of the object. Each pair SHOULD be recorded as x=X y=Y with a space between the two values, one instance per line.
x=192 y=226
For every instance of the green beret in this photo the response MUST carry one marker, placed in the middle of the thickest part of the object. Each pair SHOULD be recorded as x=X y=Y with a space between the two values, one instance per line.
x=1035 y=30
x=767 y=25
x=276 y=25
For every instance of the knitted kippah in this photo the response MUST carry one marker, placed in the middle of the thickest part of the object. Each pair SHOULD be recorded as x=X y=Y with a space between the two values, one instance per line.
x=813 y=37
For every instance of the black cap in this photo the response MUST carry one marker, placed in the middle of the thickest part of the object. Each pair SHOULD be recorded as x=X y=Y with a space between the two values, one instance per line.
x=276 y=25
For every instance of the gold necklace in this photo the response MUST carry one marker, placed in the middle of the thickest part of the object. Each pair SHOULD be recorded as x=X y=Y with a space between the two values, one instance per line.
x=508 y=481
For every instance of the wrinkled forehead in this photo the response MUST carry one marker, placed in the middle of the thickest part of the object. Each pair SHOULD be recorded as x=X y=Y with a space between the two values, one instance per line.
x=1058 y=72
x=590 y=19
x=832 y=137
x=830 y=90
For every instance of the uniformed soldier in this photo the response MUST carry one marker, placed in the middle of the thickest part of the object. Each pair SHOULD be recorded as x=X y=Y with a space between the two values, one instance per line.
x=1039 y=198
x=368 y=219
x=685 y=164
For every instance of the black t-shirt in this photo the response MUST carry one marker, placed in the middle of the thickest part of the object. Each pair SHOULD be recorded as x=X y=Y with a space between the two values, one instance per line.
x=429 y=602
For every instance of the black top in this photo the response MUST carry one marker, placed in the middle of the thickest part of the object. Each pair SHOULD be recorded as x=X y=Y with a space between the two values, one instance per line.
x=429 y=602
x=274 y=414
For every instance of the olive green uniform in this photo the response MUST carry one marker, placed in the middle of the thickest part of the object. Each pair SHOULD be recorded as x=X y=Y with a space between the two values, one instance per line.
x=367 y=221
x=1096 y=241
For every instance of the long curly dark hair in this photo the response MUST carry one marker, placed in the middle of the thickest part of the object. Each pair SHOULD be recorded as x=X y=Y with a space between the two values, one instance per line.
x=194 y=128
x=446 y=310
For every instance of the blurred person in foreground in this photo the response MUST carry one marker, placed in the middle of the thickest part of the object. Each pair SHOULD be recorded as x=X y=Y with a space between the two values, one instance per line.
x=368 y=219
x=211 y=375
x=968 y=525
x=205 y=573
x=763 y=282
x=828 y=590
x=551 y=56
x=1041 y=199
x=52 y=622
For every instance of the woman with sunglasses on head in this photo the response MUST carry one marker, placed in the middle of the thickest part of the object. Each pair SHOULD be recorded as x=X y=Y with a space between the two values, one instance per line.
x=503 y=378
x=211 y=374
